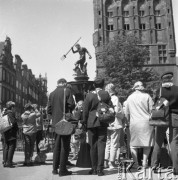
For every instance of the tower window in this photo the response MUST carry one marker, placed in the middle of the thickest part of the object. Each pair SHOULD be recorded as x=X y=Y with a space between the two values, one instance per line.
x=126 y=13
x=110 y=14
x=117 y=10
x=142 y=26
x=162 y=52
x=148 y=60
x=126 y=26
x=141 y=13
x=158 y=25
x=99 y=26
x=157 y=12
x=99 y=12
x=110 y=27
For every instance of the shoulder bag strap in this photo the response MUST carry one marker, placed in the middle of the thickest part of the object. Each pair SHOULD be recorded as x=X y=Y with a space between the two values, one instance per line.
x=99 y=98
x=64 y=107
x=160 y=92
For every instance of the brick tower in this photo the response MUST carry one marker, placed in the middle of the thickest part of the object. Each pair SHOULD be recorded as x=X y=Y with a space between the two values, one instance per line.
x=150 y=20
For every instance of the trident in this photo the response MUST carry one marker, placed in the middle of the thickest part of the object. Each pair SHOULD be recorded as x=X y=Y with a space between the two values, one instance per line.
x=64 y=56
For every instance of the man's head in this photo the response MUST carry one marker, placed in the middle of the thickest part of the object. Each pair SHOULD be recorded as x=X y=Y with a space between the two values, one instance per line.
x=167 y=77
x=99 y=83
x=78 y=46
x=62 y=82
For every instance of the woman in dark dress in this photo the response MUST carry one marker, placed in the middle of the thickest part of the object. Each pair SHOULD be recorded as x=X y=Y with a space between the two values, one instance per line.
x=83 y=160
x=10 y=136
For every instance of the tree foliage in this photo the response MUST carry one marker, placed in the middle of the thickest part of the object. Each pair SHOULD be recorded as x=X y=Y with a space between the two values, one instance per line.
x=124 y=60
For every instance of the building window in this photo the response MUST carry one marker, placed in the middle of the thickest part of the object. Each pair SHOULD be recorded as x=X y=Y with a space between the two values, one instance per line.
x=12 y=80
x=117 y=10
x=8 y=78
x=110 y=27
x=126 y=13
x=142 y=26
x=7 y=95
x=16 y=97
x=3 y=94
x=110 y=14
x=99 y=26
x=168 y=10
x=99 y=12
x=126 y=27
x=17 y=84
x=158 y=25
x=3 y=75
x=157 y=13
x=162 y=52
x=141 y=13
x=148 y=60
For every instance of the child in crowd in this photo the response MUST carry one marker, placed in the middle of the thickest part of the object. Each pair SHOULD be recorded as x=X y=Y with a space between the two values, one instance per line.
x=75 y=143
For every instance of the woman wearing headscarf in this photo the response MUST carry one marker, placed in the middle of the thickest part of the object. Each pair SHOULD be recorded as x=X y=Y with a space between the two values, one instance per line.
x=138 y=112
x=115 y=130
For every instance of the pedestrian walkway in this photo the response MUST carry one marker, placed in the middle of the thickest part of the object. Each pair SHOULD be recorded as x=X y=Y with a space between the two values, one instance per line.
x=44 y=172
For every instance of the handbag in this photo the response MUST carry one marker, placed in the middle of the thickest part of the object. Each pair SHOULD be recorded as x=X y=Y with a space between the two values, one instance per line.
x=65 y=127
x=5 y=124
x=105 y=113
x=160 y=114
x=174 y=120
x=44 y=145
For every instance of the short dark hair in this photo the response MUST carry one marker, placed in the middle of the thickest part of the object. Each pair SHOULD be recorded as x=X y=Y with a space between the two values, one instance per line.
x=28 y=107
x=10 y=104
x=62 y=80
x=99 y=83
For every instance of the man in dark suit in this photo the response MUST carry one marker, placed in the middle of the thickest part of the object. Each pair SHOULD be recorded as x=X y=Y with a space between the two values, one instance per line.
x=160 y=132
x=170 y=93
x=55 y=109
x=97 y=132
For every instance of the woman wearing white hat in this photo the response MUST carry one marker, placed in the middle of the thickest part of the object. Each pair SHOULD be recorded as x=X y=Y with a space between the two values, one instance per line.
x=138 y=111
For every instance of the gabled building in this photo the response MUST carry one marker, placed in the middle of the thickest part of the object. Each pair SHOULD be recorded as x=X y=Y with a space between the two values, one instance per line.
x=18 y=83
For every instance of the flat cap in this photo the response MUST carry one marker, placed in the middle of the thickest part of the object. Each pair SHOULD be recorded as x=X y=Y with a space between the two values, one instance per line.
x=167 y=74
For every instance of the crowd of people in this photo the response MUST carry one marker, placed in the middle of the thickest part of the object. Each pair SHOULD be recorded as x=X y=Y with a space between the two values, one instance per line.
x=100 y=145
x=105 y=140
x=32 y=125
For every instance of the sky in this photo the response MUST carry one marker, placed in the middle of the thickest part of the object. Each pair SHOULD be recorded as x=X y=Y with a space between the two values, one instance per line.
x=42 y=31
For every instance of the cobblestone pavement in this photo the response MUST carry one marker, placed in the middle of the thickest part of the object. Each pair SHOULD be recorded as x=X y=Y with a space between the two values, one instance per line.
x=44 y=172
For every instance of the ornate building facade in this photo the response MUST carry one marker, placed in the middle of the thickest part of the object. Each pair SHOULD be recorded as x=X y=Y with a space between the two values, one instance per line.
x=149 y=20
x=17 y=82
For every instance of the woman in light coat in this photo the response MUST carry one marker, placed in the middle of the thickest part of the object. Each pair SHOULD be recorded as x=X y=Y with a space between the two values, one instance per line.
x=138 y=111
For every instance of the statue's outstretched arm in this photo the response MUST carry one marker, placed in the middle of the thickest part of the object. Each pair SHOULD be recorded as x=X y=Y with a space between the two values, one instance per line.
x=74 y=50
